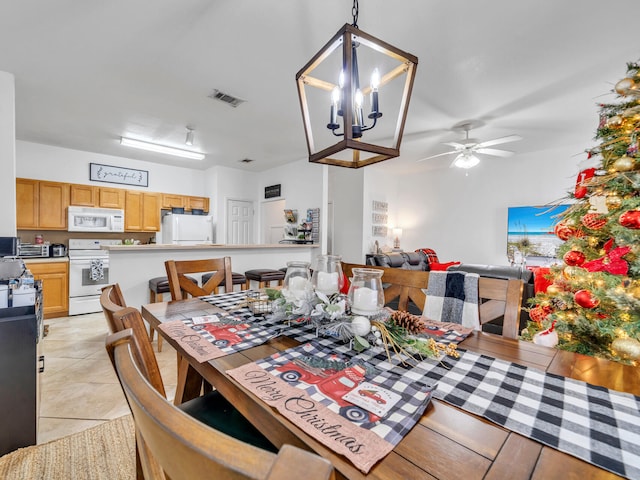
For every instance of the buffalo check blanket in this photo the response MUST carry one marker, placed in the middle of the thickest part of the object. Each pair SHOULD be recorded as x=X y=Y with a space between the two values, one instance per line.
x=355 y=410
x=453 y=297
x=598 y=425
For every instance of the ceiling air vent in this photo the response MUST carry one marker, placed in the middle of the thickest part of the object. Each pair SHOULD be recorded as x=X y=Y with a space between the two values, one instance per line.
x=226 y=98
x=246 y=160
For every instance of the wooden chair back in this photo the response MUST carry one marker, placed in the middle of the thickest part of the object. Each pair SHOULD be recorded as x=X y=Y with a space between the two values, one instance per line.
x=497 y=297
x=181 y=286
x=174 y=445
x=112 y=300
x=130 y=318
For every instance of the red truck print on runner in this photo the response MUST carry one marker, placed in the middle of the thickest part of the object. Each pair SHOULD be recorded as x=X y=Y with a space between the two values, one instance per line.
x=333 y=384
x=225 y=334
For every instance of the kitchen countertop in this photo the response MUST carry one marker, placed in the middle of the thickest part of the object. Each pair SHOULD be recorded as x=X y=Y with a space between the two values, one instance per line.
x=28 y=260
x=208 y=246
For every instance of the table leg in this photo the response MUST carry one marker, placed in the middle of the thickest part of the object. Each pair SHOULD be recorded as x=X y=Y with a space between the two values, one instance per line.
x=189 y=383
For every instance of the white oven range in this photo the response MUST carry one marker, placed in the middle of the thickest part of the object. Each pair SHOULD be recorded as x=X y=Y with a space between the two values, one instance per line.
x=88 y=273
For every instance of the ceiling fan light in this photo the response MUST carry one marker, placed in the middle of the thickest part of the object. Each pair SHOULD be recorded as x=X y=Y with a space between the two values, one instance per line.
x=466 y=160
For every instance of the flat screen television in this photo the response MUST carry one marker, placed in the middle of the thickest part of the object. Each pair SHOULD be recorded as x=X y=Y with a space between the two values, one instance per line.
x=8 y=246
x=530 y=231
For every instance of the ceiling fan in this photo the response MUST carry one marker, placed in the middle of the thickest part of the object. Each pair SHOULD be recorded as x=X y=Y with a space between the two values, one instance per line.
x=468 y=147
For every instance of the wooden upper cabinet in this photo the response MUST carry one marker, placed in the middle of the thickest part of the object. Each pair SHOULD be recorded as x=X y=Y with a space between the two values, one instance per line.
x=198 y=202
x=109 y=197
x=142 y=211
x=151 y=212
x=26 y=203
x=52 y=205
x=41 y=204
x=170 y=200
x=83 y=195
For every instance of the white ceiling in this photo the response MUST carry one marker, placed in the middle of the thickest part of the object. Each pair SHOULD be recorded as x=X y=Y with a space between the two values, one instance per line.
x=88 y=72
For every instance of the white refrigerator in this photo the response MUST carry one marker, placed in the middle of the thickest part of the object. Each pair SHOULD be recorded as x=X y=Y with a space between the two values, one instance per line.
x=187 y=229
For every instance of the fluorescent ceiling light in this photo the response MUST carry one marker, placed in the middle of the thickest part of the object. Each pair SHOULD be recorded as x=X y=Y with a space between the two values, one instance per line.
x=154 y=147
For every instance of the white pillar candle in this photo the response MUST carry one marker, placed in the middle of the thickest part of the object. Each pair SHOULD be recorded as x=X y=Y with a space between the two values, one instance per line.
x=327 y=282
x=297 y=284
x=365 y=300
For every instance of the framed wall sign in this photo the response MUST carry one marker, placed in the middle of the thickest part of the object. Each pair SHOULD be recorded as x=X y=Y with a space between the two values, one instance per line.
x=122 y=175
x=272 y=191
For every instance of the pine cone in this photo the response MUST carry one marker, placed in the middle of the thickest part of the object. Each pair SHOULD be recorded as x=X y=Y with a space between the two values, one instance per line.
x=411 y=323
x=559 y=303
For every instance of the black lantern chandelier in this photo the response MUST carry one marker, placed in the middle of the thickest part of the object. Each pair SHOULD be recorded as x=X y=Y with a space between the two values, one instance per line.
x=345 y=99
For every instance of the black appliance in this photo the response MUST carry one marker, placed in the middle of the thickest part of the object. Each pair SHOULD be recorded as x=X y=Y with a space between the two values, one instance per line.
x=20 y=365
x=8 y=246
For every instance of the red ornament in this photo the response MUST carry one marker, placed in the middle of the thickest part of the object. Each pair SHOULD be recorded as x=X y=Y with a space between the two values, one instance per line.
x=583 y=176
x=586 y=299
x=594 y=221
x=630 y=219
x=538 y=313
x=565 y=232
x=612 y=262
x=574 y=258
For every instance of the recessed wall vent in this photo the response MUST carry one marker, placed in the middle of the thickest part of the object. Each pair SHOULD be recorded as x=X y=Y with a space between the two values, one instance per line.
x=226 y=98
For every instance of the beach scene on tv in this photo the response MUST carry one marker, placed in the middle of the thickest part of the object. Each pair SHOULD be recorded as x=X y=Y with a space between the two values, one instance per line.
x=530 y=232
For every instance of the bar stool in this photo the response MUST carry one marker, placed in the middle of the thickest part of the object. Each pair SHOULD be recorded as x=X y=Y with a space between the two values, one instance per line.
x=236 y=279
x=158 y=286
x=264 y=277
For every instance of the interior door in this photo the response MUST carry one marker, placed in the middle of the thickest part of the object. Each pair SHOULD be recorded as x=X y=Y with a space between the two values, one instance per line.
x=239 y=222
x=272 y=221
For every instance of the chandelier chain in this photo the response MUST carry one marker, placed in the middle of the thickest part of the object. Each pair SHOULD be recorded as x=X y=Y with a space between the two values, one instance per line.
x=354 y=12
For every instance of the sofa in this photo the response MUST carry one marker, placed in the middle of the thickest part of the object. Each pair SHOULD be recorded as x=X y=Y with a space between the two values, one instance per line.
x=424 y=259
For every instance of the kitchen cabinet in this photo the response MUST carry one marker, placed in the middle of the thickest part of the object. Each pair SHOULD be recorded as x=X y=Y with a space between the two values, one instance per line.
x=41 y=205
x=142 y=211
x=201 y=203
x=55 y=286
x=82 y=195
x=109 y=197
x=170 y=200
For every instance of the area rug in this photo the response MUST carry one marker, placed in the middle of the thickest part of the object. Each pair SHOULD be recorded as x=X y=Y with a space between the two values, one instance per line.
x=106 y=451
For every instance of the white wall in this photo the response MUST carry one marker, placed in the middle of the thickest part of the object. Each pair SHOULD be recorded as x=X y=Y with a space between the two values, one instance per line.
x=45 y=162
x=7 y=155
x=347 y=191
x=464 y=217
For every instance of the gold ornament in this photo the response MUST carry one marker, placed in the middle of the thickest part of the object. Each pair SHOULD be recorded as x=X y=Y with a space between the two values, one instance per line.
x=624 y=85
x=593 y=241
x=554 y=288
x=624 y=164
x=627 y=348
x=613 y=202
x=614 y=121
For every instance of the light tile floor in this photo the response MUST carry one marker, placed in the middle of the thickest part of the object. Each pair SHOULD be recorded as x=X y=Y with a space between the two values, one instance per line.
x=79 y=388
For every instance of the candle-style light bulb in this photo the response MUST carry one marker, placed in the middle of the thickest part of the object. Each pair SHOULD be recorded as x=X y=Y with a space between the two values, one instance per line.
x=375 y=80
x=375 y=83
x=333 y=117
x=358 y=101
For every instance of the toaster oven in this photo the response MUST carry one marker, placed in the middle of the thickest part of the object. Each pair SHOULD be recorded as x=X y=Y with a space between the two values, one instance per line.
x=33 y=250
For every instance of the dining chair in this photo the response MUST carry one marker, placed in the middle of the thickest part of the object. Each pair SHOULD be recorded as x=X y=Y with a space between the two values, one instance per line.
x=497 y=297
x=174 y=445
x=180 y=285
x=112 y=300
x=403 y=286
x=211 y=408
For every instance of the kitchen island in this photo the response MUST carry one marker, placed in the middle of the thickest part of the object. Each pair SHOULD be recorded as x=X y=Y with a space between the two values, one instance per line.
x=132 y=266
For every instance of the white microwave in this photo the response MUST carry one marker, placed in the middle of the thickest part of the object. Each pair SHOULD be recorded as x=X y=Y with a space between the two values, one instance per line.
x=87 y=219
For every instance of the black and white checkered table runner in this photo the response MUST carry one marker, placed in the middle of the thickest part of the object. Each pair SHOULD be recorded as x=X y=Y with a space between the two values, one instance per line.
x=598 y=425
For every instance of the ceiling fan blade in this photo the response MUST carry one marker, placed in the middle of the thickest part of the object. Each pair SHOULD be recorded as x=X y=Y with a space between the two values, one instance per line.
x=434 y=156
x=495 y=152
x=498 y=141
x=454 y=145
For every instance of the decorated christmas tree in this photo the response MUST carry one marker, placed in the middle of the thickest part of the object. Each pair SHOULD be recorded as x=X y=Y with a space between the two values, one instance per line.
x=592 y=304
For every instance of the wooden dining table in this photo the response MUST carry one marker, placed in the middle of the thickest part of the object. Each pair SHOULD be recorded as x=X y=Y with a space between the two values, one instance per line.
x=447 y=442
